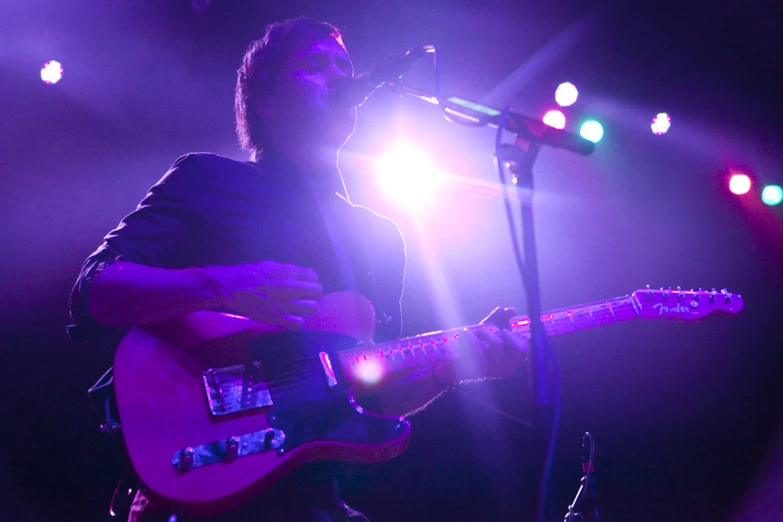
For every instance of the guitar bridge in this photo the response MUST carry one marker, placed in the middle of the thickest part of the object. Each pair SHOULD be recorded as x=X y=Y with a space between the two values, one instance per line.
x=236 y=388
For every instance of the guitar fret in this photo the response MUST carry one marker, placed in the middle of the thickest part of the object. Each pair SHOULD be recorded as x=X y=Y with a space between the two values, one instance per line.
x=429 y=348
x=590 y=315
x=581 y=319
x=408 y=358
x=420 y=356
x=398 y=362
x=430 y=353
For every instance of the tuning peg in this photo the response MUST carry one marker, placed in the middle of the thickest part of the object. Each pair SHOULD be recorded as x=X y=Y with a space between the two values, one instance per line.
x=668 y=288
x=648 y=287
x=727 y=298
x=724 y=290
x=700 y=289
x=679 y=288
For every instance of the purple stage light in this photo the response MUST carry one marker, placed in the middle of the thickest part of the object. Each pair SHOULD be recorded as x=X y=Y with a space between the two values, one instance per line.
x=739 y=184
x=566 y=94
x=407 y=174
x=661 y=123
x=555 y=119
x=52 y=72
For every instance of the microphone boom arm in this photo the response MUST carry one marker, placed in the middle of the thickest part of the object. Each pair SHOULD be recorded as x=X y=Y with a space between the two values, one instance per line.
x=526 y=128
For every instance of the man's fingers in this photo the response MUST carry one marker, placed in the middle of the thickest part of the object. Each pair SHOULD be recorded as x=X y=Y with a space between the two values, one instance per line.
x=301 y=308
x=489 y=338
x=294 y=291
x=513 y=341
x=306 y=274
x=287 y=321
x=274 y=270
x=299 y=272
x=292 y=322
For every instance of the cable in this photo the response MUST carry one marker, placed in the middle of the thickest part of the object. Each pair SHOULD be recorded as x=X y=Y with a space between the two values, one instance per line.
x=506 y=200
x=550 y=454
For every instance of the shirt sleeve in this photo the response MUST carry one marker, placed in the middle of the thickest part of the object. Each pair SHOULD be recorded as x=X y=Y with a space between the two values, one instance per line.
x=158 y=233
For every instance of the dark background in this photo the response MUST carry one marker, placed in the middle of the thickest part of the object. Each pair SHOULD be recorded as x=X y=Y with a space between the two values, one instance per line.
x=686 y=416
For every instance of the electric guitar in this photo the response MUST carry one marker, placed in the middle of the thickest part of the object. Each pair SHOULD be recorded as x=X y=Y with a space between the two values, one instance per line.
x=216 y=407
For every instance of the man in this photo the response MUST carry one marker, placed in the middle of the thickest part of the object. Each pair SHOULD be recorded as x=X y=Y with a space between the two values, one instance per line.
x=266 y=239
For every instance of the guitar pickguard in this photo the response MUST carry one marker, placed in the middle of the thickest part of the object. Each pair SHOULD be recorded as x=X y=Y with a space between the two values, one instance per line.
x=305 y=397
x=310 y=404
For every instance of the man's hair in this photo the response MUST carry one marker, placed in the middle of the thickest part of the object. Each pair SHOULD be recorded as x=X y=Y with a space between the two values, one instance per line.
x=261 y=68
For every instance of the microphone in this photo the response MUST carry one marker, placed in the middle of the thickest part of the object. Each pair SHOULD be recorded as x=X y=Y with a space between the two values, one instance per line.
x=356 y=90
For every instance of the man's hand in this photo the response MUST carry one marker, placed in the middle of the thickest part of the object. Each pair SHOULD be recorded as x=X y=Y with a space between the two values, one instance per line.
x=268 y=292
x=484 y=353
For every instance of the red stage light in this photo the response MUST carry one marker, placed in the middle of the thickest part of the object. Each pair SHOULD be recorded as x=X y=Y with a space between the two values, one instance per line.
x=555 y=119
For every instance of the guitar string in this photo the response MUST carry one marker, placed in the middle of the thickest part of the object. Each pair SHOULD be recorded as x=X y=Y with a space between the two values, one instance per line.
x=407 y=345
x=302 y=366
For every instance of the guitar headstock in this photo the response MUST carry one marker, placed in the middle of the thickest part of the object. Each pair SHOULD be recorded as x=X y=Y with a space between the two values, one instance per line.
x=685 y=305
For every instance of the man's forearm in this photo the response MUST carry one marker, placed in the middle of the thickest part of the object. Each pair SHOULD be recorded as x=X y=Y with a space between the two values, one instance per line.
x=127 y=294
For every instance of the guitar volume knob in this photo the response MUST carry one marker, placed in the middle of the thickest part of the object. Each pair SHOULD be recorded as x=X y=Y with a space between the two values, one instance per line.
x=186 y=458
x=232 y=447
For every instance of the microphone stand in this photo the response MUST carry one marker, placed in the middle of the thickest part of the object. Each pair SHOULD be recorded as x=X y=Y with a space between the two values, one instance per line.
x=520 y=158
x=531 y=135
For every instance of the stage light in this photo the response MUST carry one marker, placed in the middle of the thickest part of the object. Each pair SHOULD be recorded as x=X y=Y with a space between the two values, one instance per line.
x=661 y=123
x=52 y=72
x=772 y=195
x=739 y=184
x=566 y=94
x=406 y=174
x=555 y=119
x=592 y=130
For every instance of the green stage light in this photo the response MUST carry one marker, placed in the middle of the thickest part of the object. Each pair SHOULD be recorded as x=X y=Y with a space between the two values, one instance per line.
x=772 y=195
x=592 y=130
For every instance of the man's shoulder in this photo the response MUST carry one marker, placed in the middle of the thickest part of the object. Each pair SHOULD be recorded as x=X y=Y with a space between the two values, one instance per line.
x=198 y=171
x=208 y=163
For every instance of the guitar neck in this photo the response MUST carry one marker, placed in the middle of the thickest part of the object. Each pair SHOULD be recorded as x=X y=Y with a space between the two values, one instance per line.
x=368 y=364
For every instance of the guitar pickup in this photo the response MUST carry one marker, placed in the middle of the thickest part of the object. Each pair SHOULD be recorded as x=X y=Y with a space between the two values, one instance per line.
x=236 y=388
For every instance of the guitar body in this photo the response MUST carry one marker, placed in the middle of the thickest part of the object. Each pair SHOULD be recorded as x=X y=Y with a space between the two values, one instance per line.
x=207 y=441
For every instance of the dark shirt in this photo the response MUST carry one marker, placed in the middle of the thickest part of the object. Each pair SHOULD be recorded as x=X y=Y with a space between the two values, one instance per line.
x=209 y=210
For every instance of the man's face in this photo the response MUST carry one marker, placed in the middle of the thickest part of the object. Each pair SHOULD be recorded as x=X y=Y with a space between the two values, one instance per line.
x=303 y=104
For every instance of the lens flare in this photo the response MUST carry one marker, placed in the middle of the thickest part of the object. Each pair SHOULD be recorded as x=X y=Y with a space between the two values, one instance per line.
x=407 y=175
x=555 y=119
x=369 y=371
x=739 y=184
